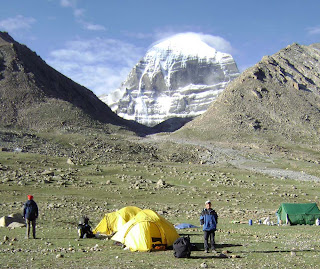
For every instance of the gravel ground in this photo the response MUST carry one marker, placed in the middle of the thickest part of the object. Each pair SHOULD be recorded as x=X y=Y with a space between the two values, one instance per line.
x=245 y=160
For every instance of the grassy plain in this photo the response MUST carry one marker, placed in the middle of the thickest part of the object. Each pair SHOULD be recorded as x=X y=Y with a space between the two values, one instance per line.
x=64 y=192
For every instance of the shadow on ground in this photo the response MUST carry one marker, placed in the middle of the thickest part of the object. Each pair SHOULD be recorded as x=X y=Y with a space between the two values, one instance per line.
x=200 y=247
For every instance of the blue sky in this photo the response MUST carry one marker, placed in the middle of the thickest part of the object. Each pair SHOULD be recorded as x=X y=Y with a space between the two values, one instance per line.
x=97 y=42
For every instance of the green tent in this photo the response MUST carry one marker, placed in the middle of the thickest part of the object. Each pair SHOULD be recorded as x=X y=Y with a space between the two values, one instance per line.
x=298 y=213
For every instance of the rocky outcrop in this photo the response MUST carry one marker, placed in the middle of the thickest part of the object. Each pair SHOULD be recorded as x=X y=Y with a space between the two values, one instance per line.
x=176 y=78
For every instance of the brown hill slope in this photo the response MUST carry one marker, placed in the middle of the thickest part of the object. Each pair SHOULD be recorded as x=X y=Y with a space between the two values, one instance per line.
x=34 y=95
x=277 y=100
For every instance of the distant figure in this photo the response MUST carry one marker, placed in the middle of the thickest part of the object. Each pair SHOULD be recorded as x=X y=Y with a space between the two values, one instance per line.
x=209 y=220
x=30 y=214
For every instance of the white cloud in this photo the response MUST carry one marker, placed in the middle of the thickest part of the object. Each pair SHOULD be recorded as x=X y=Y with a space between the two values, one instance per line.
x=314 y=30
x=101 y=65
x=217 y=42
x=78 y=12
x=94 y=27
x=79 y=15
x=68 y=3
x=18 y=22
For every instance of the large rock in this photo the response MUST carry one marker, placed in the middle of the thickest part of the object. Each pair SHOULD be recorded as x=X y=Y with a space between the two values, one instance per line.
x=178 y=77
x=6 y=221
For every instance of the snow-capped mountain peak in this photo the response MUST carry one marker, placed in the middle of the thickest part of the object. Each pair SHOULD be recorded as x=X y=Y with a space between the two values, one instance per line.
x=178 y=77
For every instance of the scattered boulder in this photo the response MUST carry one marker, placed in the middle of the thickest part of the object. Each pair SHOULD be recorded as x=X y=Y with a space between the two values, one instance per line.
x=47 y=173
x=16 y=225
x=235 y=256
x=5 y=221
x=161 y=184
x=69 y=161
x=204 y=265
x=293 y=253
x=221 y=255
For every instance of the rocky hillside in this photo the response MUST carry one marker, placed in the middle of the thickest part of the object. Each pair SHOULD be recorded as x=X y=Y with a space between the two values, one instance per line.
x=278 y=99
x=177 y=78
x=34 y=95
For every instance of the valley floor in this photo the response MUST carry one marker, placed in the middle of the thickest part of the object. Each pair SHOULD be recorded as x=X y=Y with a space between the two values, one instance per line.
x=233 y=180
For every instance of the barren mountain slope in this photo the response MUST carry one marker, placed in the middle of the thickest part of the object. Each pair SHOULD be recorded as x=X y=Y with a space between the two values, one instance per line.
x=34 y=95
x=276 y=100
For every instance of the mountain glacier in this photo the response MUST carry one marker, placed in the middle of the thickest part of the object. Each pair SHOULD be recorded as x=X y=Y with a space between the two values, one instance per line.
x=178 y=77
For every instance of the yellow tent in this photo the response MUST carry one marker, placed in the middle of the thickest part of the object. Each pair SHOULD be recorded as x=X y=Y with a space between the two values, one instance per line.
x=111 y=222
x=146 y=231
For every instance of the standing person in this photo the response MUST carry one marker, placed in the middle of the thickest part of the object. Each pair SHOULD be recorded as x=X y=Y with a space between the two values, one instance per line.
x=209 y=220
x=30 y=214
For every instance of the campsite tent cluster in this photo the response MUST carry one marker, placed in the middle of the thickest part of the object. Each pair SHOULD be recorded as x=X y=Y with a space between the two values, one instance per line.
x=145 y=230
x=137 y=229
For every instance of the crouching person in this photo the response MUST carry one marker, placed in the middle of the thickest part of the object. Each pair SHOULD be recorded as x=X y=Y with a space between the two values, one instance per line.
x=209 y=220
x=84 y=229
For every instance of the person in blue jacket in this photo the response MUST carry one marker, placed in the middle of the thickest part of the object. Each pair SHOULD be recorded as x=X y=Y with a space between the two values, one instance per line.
x=209 y=220
x=30 y=214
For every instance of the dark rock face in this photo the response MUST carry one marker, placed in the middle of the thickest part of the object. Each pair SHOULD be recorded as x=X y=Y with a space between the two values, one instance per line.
x=167 y=83
x=34 y=95
x=277 y=99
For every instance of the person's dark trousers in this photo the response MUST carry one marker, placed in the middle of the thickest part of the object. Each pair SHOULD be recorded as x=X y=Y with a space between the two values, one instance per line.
x=29 y=223
x=208 y=234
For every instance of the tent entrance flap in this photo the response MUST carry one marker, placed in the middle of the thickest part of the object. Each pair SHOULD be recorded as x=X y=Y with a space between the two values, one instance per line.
x=155 y=234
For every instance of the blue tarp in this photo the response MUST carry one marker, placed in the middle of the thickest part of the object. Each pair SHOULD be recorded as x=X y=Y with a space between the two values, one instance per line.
x=185 y=226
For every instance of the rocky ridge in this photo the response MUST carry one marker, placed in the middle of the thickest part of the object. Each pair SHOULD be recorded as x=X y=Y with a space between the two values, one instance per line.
x=33 y=95
x=275 y=100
